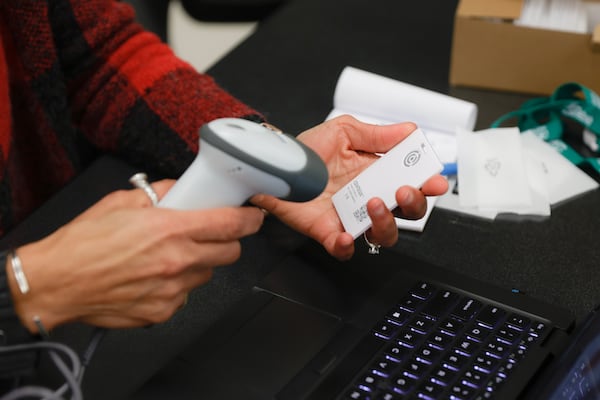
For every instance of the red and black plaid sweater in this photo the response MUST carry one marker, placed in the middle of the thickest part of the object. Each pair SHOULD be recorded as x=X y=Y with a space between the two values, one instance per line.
x=78 y=77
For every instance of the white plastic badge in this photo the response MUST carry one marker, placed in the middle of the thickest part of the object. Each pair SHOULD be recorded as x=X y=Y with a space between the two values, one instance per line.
x=411 y=162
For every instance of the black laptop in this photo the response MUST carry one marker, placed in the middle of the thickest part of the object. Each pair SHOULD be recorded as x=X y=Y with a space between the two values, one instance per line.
x=377 y=327
x=386 y=328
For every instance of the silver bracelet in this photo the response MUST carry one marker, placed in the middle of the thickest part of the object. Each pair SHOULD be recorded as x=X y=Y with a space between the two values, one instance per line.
x=17 y=268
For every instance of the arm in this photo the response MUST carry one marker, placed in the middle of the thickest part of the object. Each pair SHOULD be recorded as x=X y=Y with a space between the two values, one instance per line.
x=129 y=93
x=124 y=263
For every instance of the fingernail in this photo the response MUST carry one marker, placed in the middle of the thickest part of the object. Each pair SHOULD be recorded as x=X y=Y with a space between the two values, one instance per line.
x=407 y=198
x=379 y=209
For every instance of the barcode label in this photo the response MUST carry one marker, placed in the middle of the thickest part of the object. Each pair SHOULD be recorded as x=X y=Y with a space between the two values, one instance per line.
x=360 y=214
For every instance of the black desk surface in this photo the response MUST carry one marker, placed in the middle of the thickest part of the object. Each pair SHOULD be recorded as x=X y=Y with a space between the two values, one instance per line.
x=288 y=70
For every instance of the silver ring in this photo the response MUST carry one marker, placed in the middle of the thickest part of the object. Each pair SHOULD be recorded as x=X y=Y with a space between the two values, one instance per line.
x=373 y=248
x=140 y=181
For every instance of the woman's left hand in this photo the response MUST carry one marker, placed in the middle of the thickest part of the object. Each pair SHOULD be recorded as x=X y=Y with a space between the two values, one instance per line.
x=348 y=146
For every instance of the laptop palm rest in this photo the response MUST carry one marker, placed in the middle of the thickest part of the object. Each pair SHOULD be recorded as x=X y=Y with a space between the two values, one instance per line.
x=280 y=337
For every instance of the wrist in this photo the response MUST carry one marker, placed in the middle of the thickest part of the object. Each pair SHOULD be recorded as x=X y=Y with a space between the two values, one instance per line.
x=41 y=300
x=12 y=330
x=16 y=289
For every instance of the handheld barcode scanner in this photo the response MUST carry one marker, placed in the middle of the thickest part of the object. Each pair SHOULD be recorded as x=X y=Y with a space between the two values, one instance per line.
x=238 y=159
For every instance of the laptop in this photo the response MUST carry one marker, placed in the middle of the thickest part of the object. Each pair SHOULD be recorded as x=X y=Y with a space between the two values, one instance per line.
x=396 y=328
x=376 y=327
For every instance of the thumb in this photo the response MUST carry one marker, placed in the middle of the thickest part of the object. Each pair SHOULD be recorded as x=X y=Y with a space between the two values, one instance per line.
x=264 y=201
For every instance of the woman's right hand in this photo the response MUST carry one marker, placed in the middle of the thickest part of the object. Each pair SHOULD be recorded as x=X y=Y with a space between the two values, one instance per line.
x=124 y=263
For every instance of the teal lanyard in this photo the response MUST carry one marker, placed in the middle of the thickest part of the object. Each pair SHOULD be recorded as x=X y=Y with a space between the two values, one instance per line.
x=544 y=117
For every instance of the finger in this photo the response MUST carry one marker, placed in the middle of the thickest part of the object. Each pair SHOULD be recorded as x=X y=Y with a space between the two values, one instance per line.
x=412 y=203
x=376 y=138
x=126 y=198
x=265 y=201
x=343 y=247
x=114 y=321
x=156 y=306
x=214 y=254
x=435 y=186
x=384 y=230
x=218 y=224
x=142 y=199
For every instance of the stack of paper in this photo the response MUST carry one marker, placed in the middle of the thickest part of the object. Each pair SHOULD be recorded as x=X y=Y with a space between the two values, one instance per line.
x=561 y=15
x=504 y=171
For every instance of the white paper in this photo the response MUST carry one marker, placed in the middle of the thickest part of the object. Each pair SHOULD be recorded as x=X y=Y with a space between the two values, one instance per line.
x=559 y=15
x=449 y=201
x=376 y=99
x=388 y=99
x=563 y=179
x=552 y=179
x=491 y=170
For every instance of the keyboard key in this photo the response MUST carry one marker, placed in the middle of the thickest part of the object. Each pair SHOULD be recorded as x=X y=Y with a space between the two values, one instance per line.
x=466 y=347
x=398 y=316
x=357 y=394
x=410 y=338
x=384 y=366
x=451 y=326
x=386 y=330
x=491 y=316
x=466 y=309
x=403 y=383
x=386 y=395
x=510 y=335
x=478 y=333
x=396 y=352
x=474 y=378
x=410 y=303
x=429 y=390
x=496 y=349
x=506 y=369
x=421 y=325
x=416 y=368
x=369 y=382
x=538 y=329
x=440 y=304
x=428 y=354
x=440 y=340
x=516 y=355
x=444 y=376
x=518 y=322
x=484 y=396
x=495 y=383
x=455 y=361
x=485 y=363
x=461 y=392
x=422 y=290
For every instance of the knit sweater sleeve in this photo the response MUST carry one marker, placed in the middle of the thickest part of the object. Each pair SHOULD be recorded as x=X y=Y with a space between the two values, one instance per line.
x=129 y=93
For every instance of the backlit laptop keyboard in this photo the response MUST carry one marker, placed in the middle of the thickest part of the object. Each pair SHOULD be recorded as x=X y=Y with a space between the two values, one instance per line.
x=438 y=344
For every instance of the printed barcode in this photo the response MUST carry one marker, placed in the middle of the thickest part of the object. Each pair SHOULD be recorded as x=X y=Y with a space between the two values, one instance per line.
x=360 y=214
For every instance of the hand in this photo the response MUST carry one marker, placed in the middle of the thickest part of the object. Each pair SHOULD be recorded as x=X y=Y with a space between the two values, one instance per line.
x=348 y=146
x=123 y=263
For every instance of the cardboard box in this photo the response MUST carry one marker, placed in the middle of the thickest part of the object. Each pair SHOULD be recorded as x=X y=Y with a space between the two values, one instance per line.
x=489 y=51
